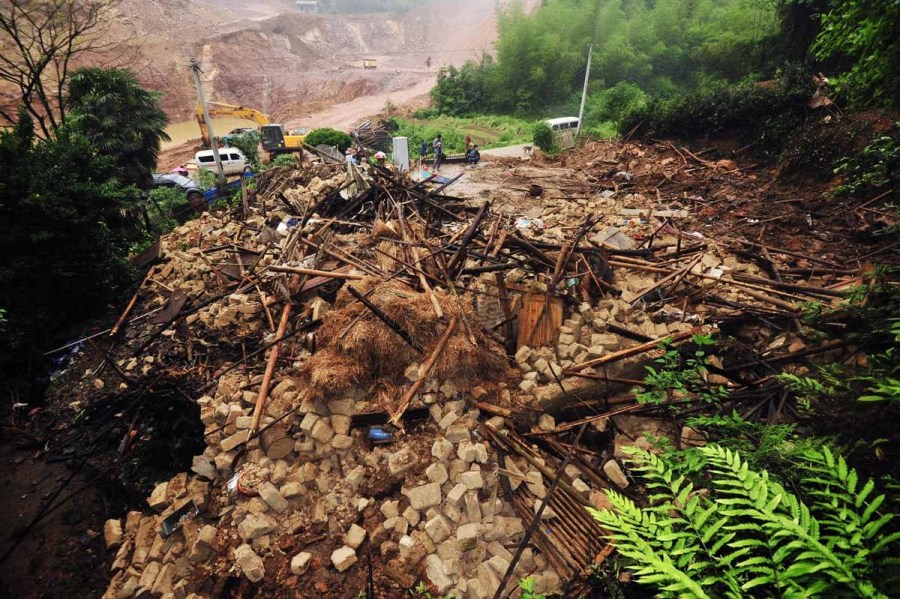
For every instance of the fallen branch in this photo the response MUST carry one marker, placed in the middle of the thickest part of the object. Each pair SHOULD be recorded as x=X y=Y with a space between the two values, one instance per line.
x=632 y=351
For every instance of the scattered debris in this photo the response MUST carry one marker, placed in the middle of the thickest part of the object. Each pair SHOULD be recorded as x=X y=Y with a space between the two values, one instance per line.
x=392 y=377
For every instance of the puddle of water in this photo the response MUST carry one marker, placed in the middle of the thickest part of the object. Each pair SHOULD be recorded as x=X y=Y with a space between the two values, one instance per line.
x=186 y=130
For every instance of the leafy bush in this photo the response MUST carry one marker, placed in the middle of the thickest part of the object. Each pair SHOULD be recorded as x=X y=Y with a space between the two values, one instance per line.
x=248 y=144
x=285 y=160
x=678 y=377
x=873 y=313
x=63 y=253
x=721 y=107
x=874 y=168
x=461 y=91
x=329 y=137
x=166 y=204
x=542 y=136
x=614 y=103
x=866 y=33
x=120 y=119
x=207 y=179
x=749 y=536
x=661 y=46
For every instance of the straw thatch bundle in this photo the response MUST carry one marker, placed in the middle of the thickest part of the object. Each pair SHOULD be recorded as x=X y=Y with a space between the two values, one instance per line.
x=357 y=349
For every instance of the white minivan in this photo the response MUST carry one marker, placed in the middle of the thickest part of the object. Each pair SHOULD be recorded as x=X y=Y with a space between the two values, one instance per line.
x=233 y=160
x=563 y=123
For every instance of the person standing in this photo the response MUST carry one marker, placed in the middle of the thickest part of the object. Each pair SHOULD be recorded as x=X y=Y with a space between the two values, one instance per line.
x=424 y=149
x=438 y=145
x=468 y=142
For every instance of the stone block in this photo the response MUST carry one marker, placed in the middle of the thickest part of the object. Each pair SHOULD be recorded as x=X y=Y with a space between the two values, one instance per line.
x=343 y=558
x=467 y=536
x=272 y=497
x=254 y=526
x=112 y=533
x=425 y=496
x=355 y=536
x=438 y=529
x=249 y=563
x=300 y=563
x=401 y=461
x=437 y=473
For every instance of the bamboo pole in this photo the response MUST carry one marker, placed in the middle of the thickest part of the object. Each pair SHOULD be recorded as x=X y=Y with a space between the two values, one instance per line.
x=312 y=272
x=131 y=303
x=270 y=366
x=632 y=351
x=423 y=374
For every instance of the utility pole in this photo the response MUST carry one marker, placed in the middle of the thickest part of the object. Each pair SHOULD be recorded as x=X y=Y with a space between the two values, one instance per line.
x=195 y=68
x=587 y=77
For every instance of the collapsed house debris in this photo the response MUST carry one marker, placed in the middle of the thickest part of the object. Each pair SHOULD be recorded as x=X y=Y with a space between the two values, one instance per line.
x=396 y=383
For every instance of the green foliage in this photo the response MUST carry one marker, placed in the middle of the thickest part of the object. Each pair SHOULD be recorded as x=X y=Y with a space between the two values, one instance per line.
x=775 y=447
x=208 y=179
x=165 y=206
x=720 y=107
x=527 y=585
x=679 y=377
x=486 y=130
x=120 y=119
x=461 y=91
x=747 y=535
x=63 y=257
x=287 y=160
x=613 y=104
x=542 y=136
x=874 y=168
x=329 y=137
x=865 y=34
x=873 y=311
x=660 y=46
x=248 y=144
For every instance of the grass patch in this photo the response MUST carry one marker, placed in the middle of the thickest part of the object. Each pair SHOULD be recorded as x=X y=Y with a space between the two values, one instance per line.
x=487 y=131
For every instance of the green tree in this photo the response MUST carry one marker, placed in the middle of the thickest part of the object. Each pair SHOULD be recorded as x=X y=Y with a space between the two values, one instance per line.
x=329 y=137
x=867 y=33
x=60 y=260
x=119 y=118
x=248 y=144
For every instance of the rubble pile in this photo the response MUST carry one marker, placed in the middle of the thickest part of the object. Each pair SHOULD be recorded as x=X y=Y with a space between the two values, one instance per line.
x=386 y=376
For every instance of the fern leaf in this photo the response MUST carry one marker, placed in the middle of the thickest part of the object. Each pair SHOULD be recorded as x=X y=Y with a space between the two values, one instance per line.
x=885 y=542
x=864 y=492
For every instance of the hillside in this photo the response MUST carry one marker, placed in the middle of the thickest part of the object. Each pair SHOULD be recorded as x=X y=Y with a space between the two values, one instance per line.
x=267 y=55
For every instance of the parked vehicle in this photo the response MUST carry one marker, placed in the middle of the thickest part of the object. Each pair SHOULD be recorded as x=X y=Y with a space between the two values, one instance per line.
x=193 y=195
x=240 y=131
x=233 y=160
x=562 y=123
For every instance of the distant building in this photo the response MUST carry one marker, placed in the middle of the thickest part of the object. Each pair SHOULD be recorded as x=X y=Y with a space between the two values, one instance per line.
x=308 y=5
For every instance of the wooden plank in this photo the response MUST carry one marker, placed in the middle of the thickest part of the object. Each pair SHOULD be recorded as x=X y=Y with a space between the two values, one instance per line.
x=539 y=326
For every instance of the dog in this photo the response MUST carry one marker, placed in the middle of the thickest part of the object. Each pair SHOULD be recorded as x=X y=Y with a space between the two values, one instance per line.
x=528 y=151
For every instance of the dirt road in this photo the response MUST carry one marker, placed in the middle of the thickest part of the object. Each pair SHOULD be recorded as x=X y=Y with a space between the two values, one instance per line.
x=347 y=115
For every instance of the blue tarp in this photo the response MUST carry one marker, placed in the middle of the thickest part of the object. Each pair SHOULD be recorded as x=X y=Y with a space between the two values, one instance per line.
x=211 y=194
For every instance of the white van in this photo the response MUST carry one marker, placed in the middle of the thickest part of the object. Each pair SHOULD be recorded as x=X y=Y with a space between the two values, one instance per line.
x=233 y=160
x=563 y=123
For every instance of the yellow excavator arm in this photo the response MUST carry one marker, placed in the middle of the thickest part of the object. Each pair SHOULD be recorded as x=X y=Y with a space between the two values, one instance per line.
x=275 y=139
x=217 y=109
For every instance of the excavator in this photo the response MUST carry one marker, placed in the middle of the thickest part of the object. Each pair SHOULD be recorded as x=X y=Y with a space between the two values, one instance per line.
x=275 y=140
